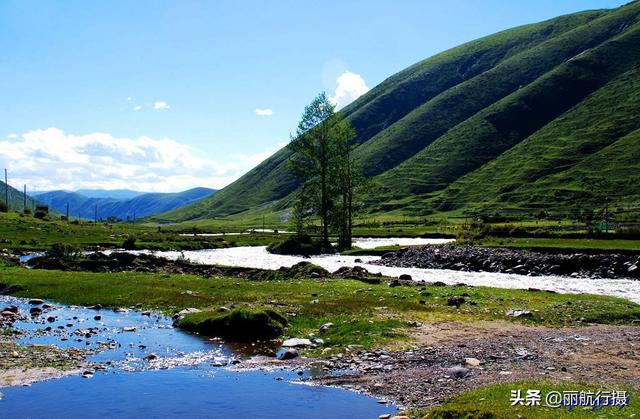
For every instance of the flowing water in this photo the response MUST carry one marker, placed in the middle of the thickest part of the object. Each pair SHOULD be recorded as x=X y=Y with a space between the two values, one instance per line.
x=181 y=382
x=258 y=257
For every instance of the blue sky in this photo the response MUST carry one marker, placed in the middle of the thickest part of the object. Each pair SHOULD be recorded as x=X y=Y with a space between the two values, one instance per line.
x=194 y=74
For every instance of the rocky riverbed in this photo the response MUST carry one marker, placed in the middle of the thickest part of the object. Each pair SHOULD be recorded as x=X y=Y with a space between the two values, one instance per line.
x=452 y=357
x=510 y=261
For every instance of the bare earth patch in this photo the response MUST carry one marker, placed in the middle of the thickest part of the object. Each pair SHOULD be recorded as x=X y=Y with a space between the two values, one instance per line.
x=426 y=374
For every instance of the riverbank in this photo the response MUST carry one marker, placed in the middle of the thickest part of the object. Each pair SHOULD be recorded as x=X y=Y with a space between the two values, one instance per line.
x=485 y=259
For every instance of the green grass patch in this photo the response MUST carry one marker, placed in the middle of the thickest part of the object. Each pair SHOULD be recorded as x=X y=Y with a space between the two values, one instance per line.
x=494 y=402
x=241 y=324
x=25 y=232
x=371 y=315
x=562 y=244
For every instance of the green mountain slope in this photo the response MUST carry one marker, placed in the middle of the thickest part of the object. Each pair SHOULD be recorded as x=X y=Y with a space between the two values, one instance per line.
x=587 y=155
x=16 y=198
x=504 y=124
x=428 y=134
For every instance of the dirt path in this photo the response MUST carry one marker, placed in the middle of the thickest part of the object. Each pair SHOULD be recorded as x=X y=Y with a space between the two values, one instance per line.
x=427 y=374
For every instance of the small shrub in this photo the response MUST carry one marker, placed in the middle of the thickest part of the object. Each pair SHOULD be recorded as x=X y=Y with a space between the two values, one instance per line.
x=4 y=207
x=41 y=215
x=296 y=245
x=129 y=243
x=63 y=251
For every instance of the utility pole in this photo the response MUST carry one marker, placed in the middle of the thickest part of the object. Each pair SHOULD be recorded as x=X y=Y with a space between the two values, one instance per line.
x=95 y=217
x=606 y=216
x=6 y=189
x=263 y=224
x=67 y=212
x=24 y=199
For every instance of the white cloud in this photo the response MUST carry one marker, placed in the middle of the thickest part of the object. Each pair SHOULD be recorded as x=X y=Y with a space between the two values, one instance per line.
x=350 y=86
x=137 y=108
x=12 y=135
x=264 y=112
x=129 y=98
x=51 y=159
x=161 y=104
x=252 y=160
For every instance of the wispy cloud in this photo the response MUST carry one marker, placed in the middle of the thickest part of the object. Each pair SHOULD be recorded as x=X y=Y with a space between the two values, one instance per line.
x=264 y=112
x=53 y=159
x=350 y=86
x=137 y=108
x=160 y=105
x=12 y=135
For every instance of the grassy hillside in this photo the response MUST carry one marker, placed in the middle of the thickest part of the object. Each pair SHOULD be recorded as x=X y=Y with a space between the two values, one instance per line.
x=590 y=153
x=473 y=127
x=507 y=122
x=16 y=198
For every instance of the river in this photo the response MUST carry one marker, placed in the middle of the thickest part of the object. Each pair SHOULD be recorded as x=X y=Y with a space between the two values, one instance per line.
x=258 y=257
x=180 y=383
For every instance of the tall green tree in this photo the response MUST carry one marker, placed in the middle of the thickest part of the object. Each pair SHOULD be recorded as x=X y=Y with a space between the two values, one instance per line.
x=347 y=180
x=322 y=161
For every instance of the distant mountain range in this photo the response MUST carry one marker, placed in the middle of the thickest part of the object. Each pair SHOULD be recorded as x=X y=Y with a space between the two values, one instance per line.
x=112 y=193
x=121 y=204
x=544 y=116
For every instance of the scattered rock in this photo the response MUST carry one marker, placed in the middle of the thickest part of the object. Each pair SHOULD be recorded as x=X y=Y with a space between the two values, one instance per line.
x=455 y=301
x=457 y=372
x=519 y=313
x=325 y=327
x=36 y=301
x=296 y=342
x=129 y=329
x=472 y=362
x=35 y=311
x=290 y=353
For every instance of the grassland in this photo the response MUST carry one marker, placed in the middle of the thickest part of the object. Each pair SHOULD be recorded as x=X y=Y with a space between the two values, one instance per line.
x=589 y=245
x=371 y=315
x=493 y=402
x=27 y=233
